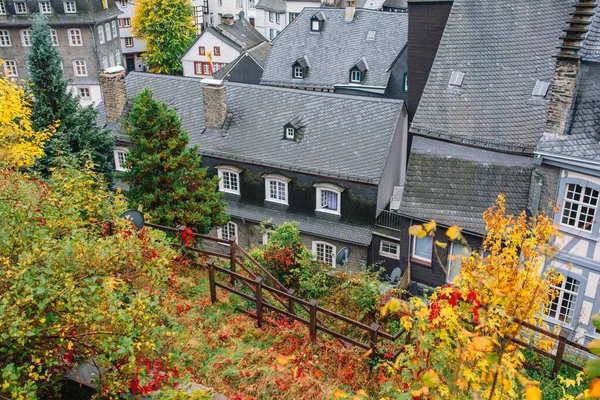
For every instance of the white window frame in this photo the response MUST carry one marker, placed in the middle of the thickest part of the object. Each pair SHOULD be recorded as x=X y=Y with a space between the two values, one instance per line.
x=11 y=71
x=18 y=9
x=412 y=250
x=451 y=264
x=271 y=16
x=560 y=298
x=70 y=7
x=278 y=19
x=278 y=179
x=120 y=150
x=104 y=62
x=76 y=68
x=330 y=188
x=315 y=25
x=290 y=133
x=107 y=32
x=118 y=58
x=123 y=3
x=75 y=38
x=5 y=40
x=384 y=253
x=355 y=76
x=228 y=226
x=101 y=39
x=128 y=39
x=113 y=25
x=111 y=60
x=2 y=7
x=45 y=6
x=231 y=171
x=298 y=72
x=126 y=22
x=54 y=37
x=316 y=253
x=25 y=37
x=267 y=236
x=89 y=96
x=580 y=204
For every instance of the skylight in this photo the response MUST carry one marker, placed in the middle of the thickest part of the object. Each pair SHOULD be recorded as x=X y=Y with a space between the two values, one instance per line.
x=540 y=89
x=456 y=79
x=371 y=35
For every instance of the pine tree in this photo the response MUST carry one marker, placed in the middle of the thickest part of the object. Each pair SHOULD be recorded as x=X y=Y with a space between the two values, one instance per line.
x=168 y=28
x=165 y=176
x=77 y=131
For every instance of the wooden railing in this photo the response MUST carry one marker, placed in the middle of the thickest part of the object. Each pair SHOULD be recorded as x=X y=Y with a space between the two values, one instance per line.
x=262 y=292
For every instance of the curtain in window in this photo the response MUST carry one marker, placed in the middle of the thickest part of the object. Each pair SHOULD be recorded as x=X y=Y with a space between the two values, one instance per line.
x=329 y=200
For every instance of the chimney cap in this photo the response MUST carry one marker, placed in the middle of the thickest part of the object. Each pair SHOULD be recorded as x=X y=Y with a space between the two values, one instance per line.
x=114 y=70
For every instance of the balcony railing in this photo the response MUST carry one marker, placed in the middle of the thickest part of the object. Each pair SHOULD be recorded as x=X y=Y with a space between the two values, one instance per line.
x=389 y=219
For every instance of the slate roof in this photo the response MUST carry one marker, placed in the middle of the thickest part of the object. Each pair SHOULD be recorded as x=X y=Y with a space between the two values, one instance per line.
x=503 y=47
x=241 y=32
x=341 y=140
x=276 y=6
x=454 y=184
x=334 y=50
x=258 y=53
x=347 y=233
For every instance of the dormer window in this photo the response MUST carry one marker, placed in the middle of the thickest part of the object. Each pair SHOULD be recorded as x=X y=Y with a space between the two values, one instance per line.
x=229 y=179
x=290 y=133
x=358 y=71
x=329 y=198
x=300 y=68
x=316 y=22
x=294 y=130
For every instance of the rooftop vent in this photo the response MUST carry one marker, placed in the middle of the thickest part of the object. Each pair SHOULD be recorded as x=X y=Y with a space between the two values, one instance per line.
x=456 y=78
x=371 y=35
x=540 y=89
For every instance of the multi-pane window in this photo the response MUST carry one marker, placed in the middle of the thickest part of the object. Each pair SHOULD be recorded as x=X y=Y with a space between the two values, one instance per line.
x=84 y=93
x=422 y=248
x=389 y=249
x=128 y=42
x=457 y=251
x=276 y=189
x=324 y=252
x=26 y=37
x=120 y=22
x=120 y=158
x=10 y=68
x=123 y=3
x=107 y=29
x=240 y=3
x=229 y=179
x=563 y=305
x=217 y=50
x=118 y=57
x=580 y=206
x=104 y=62
x=355 y=76
x=201 y=50
x=328 y=198
x=54 y=37
x=2 y=7
x=201 y=68
x=277 y=19
x=228 y=231
x=4 y=38
x=80 y=68
x=271 y=16
x=101 y=34
x=217 y=66
x=45 y=7
x=290 y=133
x=111 y=60
x=113 y=25
x=298 y=72
x=20 y=7
x=75 y=37
x=70 y=7
x=251 y=4
x=292 y=17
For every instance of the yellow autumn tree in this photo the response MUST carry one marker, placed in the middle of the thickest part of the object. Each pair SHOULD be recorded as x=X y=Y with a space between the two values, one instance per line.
x=20 y=145
x=463 y=336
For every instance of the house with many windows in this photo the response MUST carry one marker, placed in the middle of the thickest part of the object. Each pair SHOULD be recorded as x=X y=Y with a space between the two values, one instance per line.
x=218 y=46
x=288 y=155
x=568 y=156
x=132 y=47
x=85 y=33
x=343 y=50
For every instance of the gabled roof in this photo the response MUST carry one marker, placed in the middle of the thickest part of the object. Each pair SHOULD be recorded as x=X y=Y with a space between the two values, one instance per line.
x=334 y=50
x=503 y=47
x=337 y=141
x=454 y=184
x=276 y=6
x=241 y=35
x=258 y=54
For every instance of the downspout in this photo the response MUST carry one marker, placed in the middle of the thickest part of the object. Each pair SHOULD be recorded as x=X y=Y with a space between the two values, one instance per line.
x=537 y=162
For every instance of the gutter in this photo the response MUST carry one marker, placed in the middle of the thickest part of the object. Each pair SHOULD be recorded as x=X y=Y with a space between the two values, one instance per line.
x=573 y=162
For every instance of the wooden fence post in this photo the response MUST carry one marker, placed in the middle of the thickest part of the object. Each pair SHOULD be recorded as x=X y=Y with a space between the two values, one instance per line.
x=211 y=280
x=374 y=330
x=232 y=261
x=560 y=350
x=291 y=301
x=313 y=320
x=259 y=301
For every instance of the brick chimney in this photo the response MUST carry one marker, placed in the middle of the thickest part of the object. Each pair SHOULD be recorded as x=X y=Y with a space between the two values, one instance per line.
x=113 y=92
x=215 y=105
x=567 y=68
x=350 y=10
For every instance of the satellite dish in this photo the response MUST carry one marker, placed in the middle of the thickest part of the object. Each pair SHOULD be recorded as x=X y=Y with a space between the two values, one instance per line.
x=343 y=256
x=136 y=218
x=241 y=14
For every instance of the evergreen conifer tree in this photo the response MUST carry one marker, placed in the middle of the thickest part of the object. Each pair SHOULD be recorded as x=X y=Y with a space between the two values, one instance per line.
x=164 y=175
x=77 y=129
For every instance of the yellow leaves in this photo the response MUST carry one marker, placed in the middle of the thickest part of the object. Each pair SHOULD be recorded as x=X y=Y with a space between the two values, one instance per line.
x=393 y=305
x=430 y=226
x=533 y=393
x=430 y=379
x=441 y=244
x=453 y=232
x=594 y=347
x=481 y=343
x=338 y=394
x=417 y=230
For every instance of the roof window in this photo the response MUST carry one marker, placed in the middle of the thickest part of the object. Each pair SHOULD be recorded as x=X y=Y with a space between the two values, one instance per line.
x=371 y=35
x=358 y=71
x=317 y=21
x=540 y=89
x=294 y=130
x=456 y=79
x=300 y=68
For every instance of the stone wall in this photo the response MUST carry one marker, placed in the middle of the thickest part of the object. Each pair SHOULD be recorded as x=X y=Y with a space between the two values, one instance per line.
x=563 y=95
x=215 y=106
x=114 y=93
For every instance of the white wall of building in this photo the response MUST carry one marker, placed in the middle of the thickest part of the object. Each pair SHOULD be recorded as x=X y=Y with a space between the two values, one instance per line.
x=95 y=94
x=209 y=41
x=127 y=8
x=264 y=24
x=220 y=7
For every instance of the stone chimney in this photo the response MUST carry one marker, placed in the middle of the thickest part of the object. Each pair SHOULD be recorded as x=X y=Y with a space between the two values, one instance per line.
x=113 y=92
x=567 y=68
x=350 y=10
x=215 y=105
x=227 y=19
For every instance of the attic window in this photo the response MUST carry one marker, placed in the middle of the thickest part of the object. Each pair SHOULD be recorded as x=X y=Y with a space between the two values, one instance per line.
x=371 y=35
x=294 y=130
x=358 y=71
x=298 y=73
x=290 y=133
x=456 y=78
x=300 y=68
x=316 y=22
x=540 y=89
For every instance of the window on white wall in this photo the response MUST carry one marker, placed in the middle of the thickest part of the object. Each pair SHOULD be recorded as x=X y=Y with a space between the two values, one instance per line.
x=389 y=249
x=562 y=307
x=276 y=188
x=579 y=209
x=324 y=252
x=123 y=3
x=84 y=92
x=120 y=158
x=228 y=231
x=329 y=198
